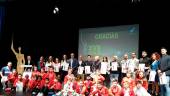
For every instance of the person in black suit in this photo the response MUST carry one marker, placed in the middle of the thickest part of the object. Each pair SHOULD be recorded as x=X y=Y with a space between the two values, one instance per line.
x=81 y=65
x=29 y=61
x=73 y=64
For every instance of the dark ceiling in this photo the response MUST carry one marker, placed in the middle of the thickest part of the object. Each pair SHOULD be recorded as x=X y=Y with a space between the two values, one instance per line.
x=34 y=25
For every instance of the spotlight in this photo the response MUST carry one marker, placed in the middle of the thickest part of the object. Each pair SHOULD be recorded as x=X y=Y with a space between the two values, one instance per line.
x=56 y=10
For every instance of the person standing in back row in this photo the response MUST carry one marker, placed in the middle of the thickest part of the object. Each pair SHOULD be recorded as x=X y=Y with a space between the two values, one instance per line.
x=165 y=67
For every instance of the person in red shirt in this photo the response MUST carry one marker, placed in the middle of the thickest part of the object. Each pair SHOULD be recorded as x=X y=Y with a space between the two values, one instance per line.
x=26 y=82
x=127 y=90
x=55 y=85
x=35 y=72
x=99 y=89
x=70 y=86
x=88 y=83
x=11 y=78
x=140 y=77
x=66 y=78
x=81 y=88
x=50 y=74
x=46 y=86
x=39 y=84
x=128 y=79
x=115 y=88
x=43 y=74
x=32 y=83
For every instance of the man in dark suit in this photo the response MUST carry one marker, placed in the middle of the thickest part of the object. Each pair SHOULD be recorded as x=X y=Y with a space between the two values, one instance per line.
x=29 y=61
x=73 y=63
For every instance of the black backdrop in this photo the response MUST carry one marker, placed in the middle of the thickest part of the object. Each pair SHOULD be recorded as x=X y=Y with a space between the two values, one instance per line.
x=40 y=32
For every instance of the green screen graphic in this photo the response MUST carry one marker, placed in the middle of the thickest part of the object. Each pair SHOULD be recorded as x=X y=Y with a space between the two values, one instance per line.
x=109 y=41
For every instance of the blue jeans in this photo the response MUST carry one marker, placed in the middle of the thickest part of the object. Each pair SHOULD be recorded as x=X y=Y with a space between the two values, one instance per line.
x=162 y=90
x=167 y=86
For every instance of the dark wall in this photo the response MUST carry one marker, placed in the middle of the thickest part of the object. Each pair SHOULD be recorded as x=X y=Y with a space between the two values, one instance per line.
x=40 y=32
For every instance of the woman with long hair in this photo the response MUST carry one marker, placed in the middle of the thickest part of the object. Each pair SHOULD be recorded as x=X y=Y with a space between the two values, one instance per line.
x=153 y=77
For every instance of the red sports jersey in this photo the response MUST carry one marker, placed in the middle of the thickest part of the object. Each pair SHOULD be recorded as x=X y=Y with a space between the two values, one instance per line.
x=115 y=91
x=130 y=81
x=130 y=92
x=144 y=82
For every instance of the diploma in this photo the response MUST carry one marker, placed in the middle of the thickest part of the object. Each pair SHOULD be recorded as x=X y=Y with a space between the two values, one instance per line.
x=131 y=68
x=27 y=66
x=65 y=66
x=152 y=75
x=27 y=73
x=56 y=68
x=142 y=67
x=87 y=70
x=80 y=70
x=163 y=79
x=124 y=69
x=103 y=69
x=114 y=66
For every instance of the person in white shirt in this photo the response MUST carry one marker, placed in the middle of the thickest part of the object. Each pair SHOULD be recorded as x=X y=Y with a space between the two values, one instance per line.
x=57 y=67
x=124 y=65
x=49 y=63
x=139 y=90
x=134 y=64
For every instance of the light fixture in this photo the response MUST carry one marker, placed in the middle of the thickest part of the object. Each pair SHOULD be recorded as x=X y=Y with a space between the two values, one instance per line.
x=56 y=10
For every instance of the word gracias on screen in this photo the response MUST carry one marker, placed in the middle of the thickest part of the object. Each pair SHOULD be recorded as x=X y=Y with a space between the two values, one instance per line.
x=108 y=35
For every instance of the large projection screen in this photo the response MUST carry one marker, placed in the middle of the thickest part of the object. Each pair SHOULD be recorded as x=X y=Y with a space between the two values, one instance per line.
x=109 y=41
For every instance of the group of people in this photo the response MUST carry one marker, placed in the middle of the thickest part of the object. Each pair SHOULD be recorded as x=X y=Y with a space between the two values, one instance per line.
x=90 y=77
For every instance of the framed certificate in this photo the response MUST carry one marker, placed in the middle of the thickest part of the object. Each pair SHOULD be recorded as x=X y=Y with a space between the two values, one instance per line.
x=87 y=70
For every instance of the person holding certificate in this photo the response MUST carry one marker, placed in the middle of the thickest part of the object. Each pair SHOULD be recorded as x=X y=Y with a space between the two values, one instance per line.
x=104 y=70
x=153 y=76
x=81 y=68
x=96 y=64
x=88 y=65
x=65 y=66
x=48 y=63
x=73 y=63
x=134 y=64
x=165 y=70
x=29 y=61
x=145 y=60
x=57 y=67
x=124 y=65
x=114 y=73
